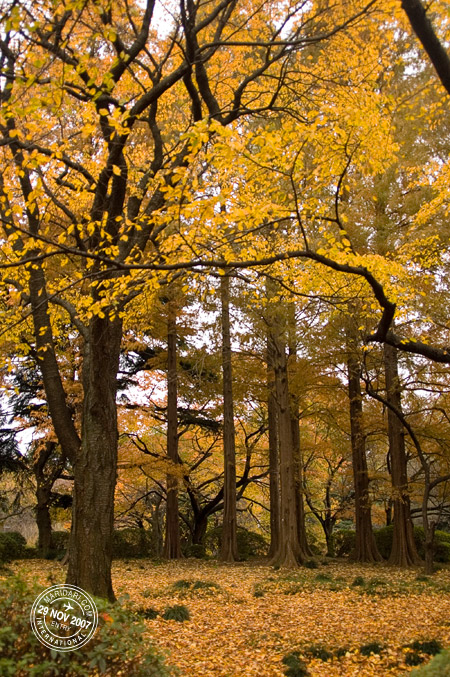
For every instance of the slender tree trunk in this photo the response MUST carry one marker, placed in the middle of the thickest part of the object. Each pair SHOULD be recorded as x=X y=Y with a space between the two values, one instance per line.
x=366 y=549
x=404 y=551
x=228 y=549
x=274 y=460
x=44 y=484
x=295 y=425
x=90 y=552
x=172 y=546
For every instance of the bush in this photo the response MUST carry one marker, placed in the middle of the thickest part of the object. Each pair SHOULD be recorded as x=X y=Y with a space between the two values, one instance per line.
x=12 y=546
x=384 y=537
x=178 y=612
x=319 y=652
x=131 y=543
x=344 y=542
x=429 y=646
x=371 y=648
x=250 y=544
x=116 y=648
x=311 y=564
x=196 y=550
x=295 y=666
x=359 y=580
x=438 y=667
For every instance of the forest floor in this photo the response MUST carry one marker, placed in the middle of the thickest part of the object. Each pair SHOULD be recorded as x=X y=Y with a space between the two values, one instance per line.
x=244 y=618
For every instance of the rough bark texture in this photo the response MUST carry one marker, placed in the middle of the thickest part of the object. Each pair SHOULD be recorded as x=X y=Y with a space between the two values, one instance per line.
x=296 y=443
x=228 y=548
x=290 y=552
x=90 y=551
x=45 y=480
x=365 y=548
x=274 y=465
x=404 y=551
x=172 y=546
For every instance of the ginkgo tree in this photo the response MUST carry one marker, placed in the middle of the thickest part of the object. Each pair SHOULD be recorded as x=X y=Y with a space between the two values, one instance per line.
x=97 y=103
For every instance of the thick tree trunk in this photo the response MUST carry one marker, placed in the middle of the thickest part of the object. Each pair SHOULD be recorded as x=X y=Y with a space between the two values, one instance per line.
x=43 y=521
x=404 y=551
x=274 y=454
x=299 y=483
x=90 y=552
x=200 y=527
x=172 y=546
x=228 y=549
x=365 y=549
x=290 y=552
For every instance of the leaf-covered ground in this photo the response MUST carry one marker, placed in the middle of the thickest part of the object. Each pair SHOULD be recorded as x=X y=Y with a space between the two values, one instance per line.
x=245 y=618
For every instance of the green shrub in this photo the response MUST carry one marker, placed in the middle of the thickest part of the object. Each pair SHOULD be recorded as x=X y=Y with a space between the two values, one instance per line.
x=372 y=647
x=117 y=646
x=147 y=612
x=12 y=546
x=413 y=658
x=178 y=612
x=250 y=544
x=359 y=580
x=184 y=585
x=344 y=542
x=429 y=646
x=197 y=550
x=323 y=578
x=311 y=564
x=319 y=652
x=295 y=666
x=131 y=543
x=384 y=537
x=439 y=666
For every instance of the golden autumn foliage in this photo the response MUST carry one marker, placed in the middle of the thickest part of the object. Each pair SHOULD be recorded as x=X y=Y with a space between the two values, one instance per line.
x=245 y=618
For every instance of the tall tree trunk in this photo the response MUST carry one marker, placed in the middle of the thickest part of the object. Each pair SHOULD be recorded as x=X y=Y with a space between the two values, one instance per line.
x=200 y=527
x=290 y=552
x=295 y=425
x=299 y=482
x=274 y=464
x=228 y=549
x=44 y=484
x=172 y=546
x=404 y=551
x=90 y=552
x=365 y=549
x=44 y=522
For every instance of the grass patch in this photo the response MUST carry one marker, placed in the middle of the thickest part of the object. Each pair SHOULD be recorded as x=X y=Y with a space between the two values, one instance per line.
x=178 y=612
x=295 y=666
x=318 y=651
x=371 y=648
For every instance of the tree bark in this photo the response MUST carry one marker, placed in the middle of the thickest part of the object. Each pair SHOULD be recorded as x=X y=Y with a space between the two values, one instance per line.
x=44 y=485
x=290 y=552
x=365 y=547
x=172 y=545
x=44 y=522
x=90 y=551
x=274 y=464
x=296 y=443
x=228 y=549
x=404 y=551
